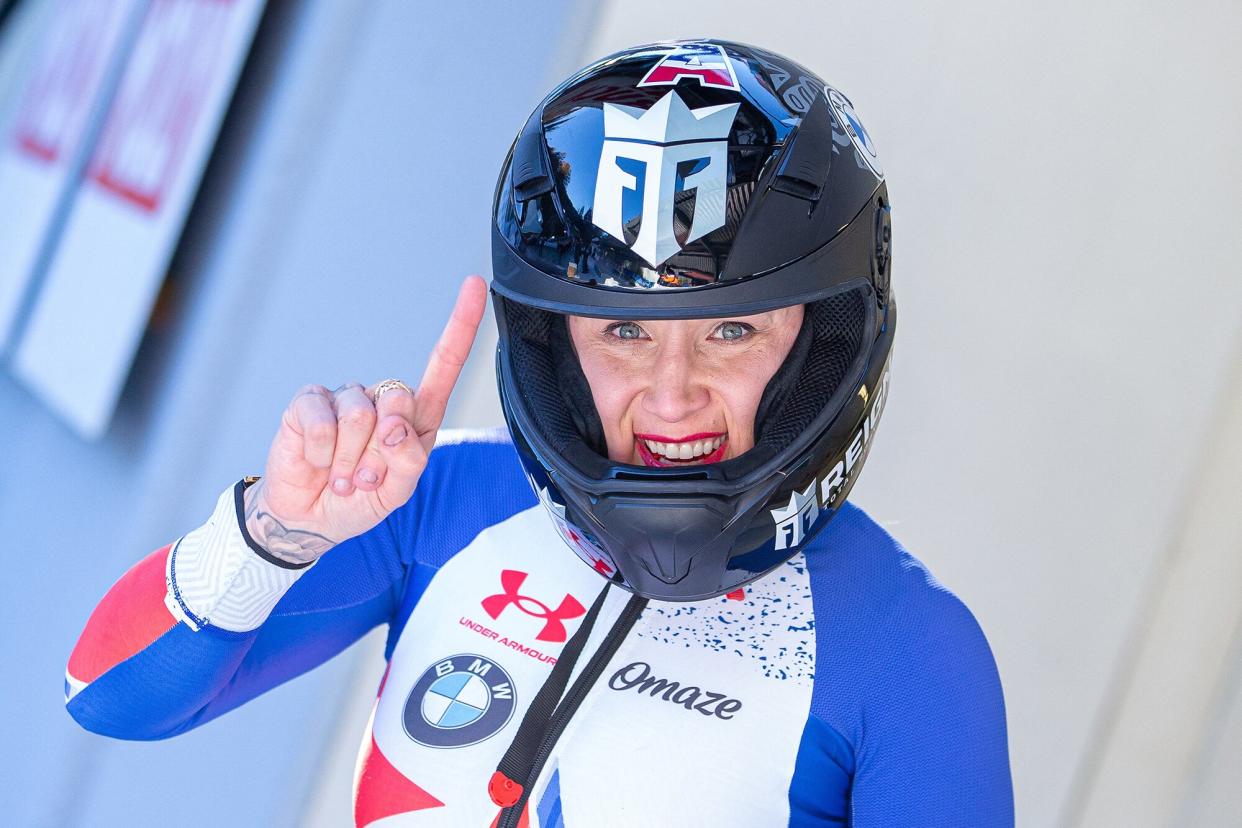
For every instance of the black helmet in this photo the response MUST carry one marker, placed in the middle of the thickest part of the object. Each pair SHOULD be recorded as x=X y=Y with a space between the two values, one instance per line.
x=694 y=179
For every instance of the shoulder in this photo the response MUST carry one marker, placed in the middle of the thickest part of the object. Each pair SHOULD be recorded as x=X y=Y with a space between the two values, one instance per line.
x=456 y=444
x=860 y=574
x=904 y=674
x=473 y=479
x=891 y=640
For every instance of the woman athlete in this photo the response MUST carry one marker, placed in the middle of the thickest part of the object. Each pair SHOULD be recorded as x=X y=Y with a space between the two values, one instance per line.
x=691 y=276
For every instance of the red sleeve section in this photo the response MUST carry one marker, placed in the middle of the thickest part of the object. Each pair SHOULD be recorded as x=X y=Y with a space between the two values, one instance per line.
x=128 y=619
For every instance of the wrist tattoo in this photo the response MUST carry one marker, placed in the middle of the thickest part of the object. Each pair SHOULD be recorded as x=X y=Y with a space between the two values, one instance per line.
x=290 y=544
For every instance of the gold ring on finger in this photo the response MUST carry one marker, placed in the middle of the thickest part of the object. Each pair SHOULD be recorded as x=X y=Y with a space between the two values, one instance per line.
x=389 y=385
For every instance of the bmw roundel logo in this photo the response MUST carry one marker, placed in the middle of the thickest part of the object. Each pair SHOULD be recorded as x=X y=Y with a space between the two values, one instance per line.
x=852 y=124
x=459 y=701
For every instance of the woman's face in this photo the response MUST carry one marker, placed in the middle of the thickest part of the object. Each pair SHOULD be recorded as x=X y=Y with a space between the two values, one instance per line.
x=681 y=392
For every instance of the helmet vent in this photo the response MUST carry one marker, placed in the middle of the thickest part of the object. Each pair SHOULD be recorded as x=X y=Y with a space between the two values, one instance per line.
x=803 y=171
x=621 y=474
x=530 y=163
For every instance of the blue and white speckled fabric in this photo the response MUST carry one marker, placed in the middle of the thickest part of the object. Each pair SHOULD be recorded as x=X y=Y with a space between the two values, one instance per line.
x=771 y=626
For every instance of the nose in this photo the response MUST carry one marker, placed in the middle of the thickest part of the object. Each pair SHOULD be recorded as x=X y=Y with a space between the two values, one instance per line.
x=676 y=390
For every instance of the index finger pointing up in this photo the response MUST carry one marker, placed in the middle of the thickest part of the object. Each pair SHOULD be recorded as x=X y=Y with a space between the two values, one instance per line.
x=448 y=357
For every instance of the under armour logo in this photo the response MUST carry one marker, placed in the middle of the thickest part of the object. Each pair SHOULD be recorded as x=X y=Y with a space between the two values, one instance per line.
x=511 y=581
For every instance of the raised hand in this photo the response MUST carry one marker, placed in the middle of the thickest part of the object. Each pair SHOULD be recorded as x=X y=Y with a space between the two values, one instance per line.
x=342 y=460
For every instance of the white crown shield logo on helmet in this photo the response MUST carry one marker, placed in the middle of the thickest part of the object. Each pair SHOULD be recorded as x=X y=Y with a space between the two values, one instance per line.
x=793 y=521
x=674 y=149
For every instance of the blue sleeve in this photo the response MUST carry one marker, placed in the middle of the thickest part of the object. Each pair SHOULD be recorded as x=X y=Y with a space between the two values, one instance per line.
x=934 y=750
x=144 y=675
x=907 y=720
x=184 y=677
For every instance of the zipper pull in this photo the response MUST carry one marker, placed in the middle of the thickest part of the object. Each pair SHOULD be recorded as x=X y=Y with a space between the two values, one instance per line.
x=503 y=790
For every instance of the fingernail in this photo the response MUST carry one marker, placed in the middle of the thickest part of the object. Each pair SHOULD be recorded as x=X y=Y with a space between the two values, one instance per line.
x=395 y=436
x=340 y=486
x=367 y=476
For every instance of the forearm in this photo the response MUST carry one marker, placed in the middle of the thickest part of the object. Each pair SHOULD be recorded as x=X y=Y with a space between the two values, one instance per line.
x=170 y=634
x=213 y=620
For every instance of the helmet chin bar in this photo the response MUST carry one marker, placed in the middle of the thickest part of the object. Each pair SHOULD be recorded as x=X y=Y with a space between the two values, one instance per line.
x=664 y=540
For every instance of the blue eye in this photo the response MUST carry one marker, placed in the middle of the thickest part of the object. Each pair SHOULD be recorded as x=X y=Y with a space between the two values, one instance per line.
x=626 y=330
x=732 y=331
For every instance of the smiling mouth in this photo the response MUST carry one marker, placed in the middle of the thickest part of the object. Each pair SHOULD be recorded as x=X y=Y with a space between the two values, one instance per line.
x=696 y=449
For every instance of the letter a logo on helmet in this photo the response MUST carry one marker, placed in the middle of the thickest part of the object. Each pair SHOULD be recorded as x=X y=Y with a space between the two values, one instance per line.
x=704 y=62
x=662 y=153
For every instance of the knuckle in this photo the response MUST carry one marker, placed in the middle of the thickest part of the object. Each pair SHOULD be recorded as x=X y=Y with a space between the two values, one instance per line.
x=312 y=388
x=446 y=355
x=307 y=408
x=321 y=432
x=359 y=418
x=397 y=401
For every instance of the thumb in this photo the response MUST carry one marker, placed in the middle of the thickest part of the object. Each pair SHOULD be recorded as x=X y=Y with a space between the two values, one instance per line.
x=405 y=457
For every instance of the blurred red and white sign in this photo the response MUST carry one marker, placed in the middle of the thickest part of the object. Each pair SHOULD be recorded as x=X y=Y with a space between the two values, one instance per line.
x=128 y=214
x=61 y=91
x=166 y=89
x=64 y=85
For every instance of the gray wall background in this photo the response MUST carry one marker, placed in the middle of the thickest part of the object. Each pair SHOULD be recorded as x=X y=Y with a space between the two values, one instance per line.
x=1064 y=178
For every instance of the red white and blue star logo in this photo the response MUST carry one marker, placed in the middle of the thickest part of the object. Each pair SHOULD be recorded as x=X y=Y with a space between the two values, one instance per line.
x=706 y=63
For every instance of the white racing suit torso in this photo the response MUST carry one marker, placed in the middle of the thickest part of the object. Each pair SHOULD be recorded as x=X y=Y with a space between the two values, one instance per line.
x=845 y=687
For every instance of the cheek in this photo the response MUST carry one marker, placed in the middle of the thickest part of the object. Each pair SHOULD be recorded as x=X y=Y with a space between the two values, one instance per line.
x=741 y=400
x=614 y=387
x=740 y=388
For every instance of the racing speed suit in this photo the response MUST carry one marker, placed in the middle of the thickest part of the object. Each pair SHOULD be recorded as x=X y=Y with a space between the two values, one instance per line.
x=846 y=687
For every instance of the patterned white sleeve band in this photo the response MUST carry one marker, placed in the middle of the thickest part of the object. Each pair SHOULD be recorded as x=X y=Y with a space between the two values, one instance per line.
x=218 y=576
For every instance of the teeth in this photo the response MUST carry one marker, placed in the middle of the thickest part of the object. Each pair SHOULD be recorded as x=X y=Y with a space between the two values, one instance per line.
x=684 y=451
